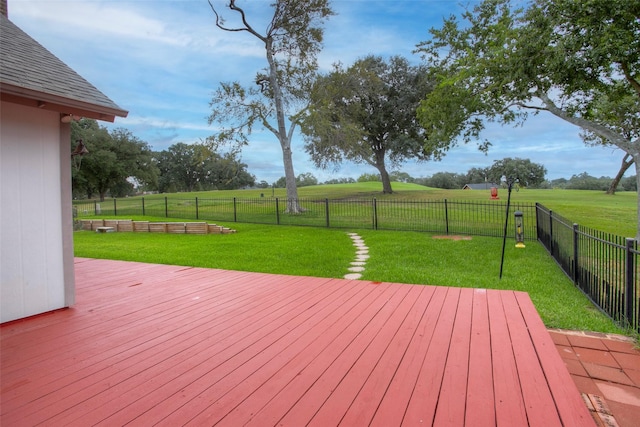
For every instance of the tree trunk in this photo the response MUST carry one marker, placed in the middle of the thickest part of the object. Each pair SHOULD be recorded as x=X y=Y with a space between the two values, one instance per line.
x=384 y=175
x=283 y=137
x=386 y=182
x=627 y=161
x=290 y=181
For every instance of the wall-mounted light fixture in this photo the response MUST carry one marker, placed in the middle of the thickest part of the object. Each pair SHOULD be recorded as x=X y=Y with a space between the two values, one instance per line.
x=68 y=118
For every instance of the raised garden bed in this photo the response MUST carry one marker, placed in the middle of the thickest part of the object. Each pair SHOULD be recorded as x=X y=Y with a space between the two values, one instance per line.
x=154 y=227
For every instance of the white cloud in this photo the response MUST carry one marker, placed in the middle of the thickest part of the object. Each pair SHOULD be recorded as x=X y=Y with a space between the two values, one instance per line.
x=97 y=19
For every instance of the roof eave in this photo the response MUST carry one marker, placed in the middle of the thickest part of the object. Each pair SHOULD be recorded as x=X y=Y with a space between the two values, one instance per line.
x=47 y=101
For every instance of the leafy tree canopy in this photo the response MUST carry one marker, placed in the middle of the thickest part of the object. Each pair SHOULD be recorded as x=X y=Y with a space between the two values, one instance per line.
x=191 y=167
x=527 y=173
x=112 y=158
x=366 y=114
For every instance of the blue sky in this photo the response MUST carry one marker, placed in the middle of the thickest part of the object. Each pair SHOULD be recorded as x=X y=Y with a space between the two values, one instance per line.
x=162 y=59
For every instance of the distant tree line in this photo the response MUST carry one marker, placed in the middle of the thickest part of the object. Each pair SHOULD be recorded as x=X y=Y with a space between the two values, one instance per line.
x=197 y=167
x=529 y=174
x=584 y=181
x=118 y=164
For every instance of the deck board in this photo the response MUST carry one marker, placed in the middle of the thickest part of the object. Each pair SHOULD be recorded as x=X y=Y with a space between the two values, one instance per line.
x=480 y=410
x=452 y=396
x=156 y=344
x=508 y=399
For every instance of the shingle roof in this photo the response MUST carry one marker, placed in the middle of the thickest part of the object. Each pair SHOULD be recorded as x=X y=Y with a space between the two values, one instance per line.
x=29 y=71
x=481 y=186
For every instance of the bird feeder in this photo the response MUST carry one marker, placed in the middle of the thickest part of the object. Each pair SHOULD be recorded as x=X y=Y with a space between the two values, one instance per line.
x=494 y=193
x=519 y=230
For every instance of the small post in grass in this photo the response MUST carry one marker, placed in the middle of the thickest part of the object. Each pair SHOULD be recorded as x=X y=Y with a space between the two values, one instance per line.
x=509 y=181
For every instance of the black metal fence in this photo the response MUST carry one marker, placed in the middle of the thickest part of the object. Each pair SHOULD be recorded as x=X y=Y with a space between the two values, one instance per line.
x=435 y=216
x=603 y=265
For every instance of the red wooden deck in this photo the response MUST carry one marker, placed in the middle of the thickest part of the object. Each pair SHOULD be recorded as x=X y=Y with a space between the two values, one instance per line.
x=156 y=344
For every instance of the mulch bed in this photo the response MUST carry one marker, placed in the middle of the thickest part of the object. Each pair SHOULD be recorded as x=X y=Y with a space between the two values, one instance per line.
x=453 y=237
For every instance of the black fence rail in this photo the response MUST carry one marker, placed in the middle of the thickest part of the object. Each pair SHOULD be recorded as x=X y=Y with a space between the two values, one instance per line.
x=435 y=216
x=603 y=265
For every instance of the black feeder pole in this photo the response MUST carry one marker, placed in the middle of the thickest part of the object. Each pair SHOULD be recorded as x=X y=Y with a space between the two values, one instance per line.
x=510 y=182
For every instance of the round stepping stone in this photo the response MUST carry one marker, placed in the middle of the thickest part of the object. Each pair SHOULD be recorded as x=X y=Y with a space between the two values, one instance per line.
x=358 y=263
x=352 y=276
x=356 y=269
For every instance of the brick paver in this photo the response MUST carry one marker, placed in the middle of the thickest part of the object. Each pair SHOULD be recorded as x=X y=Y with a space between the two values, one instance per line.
x=606 y=370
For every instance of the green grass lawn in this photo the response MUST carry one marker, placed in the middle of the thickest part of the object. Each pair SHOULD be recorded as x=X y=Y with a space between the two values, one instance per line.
x=405 y=257
x=418 y=258
x=303 y=251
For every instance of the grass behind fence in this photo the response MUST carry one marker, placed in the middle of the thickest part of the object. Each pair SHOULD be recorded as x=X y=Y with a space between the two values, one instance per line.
x=615 y=214
x=483 y=218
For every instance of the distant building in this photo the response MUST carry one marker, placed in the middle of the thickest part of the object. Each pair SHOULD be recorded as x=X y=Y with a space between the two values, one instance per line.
x=482 y=186
x=39 y=97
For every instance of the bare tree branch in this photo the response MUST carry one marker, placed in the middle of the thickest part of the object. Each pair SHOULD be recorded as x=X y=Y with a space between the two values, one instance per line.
x=596 y=128
x=248 y=28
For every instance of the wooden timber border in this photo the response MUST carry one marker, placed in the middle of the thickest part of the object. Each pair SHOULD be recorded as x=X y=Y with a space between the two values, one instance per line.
x=155 y=227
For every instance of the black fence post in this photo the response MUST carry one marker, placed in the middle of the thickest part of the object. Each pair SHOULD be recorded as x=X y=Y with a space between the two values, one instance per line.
x=537 y=220
x=629 y=291
x=115 y=207
x=235 y=210
x=326 y=210
x=143 y=211
x=277 y=212
x=197 y=210
x=550 y=231
x=575 y=254
x=166 y=207
x=446 y=217
x=374 y=205
x=95 y=207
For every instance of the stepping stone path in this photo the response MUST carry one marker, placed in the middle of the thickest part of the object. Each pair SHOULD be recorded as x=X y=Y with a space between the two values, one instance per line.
x=362 y=255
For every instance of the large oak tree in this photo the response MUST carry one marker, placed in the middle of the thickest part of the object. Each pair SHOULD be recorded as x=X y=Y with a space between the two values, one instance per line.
x=366 y=114
x=576 y=59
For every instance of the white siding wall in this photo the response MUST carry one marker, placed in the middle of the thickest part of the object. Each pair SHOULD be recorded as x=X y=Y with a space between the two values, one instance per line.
x=32 y=239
